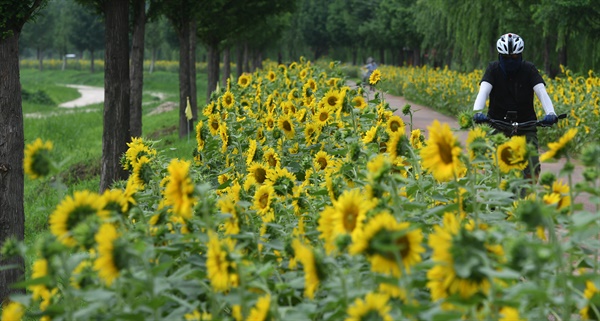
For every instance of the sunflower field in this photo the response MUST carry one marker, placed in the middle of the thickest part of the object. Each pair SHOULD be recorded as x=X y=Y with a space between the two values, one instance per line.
x=453 y=92
x=305 y=199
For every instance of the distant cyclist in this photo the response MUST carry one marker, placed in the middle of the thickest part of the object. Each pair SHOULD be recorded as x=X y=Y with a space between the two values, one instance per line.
x=369 y=68
x=510 y=83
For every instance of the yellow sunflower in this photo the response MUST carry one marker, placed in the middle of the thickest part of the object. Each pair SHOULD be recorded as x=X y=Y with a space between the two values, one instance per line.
x=559 y=195
x=397 y=145
x=442 y=152
x=228 y=100
x=345 y=217
x=359 y=102
x=106 y=263
x=510 y=314
x=260 y=312
x=271 y=157
x=142 y=172
x=591 y=293
x=214 y=124
x=556 y=149
x=443 y=279
x=476 y=142
x=323 y=116
x=287 y=126
x=115 y=201
x=227 y=206
x=75 y=210
x=370 y=135
x=322 y=160
x=386 y=242
x=13 y=311
x=304 y=254
x=282 y=180
x=220 y=269
x=251 y=151
x=198 y=316
x=39 y=270
x=378 y=166
x=37 y=162
x=271 y=76
x=375 y=306
x=416 y=139
x=179 y=190
x=263 y=197
x=395 y=124
x=311 y=133
x=375 y=77
x=200 y=137
x=513 y=154
x=270 y=122
x=258 y=171
x=244 y=80
x=333 y=100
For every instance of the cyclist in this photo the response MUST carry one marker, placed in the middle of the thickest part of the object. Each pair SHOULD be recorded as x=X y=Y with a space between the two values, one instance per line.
x=510 y=84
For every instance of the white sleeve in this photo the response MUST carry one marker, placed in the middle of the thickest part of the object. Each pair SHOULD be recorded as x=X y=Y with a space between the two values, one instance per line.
x=542 y=95
x=484 y=91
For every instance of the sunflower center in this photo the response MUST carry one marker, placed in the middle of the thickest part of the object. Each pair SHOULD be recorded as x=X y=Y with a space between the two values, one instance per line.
x=349 y=218
x=260 y=174
x=332 y=101
x=264 y=200
x=323 y=116
x=214 y=124
x=322 y=162
x=445 y=152
x=287 y=126
x=507 y=156
x=272 y=161
x=228 y=100
x=270 y=123
x=394 y=126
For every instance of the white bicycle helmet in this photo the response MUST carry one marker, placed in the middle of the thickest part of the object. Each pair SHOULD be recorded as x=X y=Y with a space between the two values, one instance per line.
x=509 y=44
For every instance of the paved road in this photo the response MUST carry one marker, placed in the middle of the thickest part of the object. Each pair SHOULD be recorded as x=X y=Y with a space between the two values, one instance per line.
x=423 y=117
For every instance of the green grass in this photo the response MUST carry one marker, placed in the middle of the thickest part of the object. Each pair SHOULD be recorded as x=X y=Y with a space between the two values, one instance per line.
x=77 y=135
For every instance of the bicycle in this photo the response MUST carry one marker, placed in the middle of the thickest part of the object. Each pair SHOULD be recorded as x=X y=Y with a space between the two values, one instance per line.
x=511 y=128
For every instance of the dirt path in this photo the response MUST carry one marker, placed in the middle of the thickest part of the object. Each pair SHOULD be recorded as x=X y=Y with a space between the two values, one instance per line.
x=423 y=117
x=89 y=96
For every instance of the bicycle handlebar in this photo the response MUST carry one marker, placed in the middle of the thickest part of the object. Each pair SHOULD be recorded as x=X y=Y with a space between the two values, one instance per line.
x=517 y=125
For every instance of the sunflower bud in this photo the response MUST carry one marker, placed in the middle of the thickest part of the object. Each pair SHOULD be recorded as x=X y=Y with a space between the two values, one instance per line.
x=406 y=109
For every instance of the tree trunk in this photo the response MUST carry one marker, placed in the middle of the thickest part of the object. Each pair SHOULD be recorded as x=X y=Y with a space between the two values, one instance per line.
x=354 y=56
x=246 y=58
x=12 y=217
x=116 y=92
x=92 y=61
x=193 y=87
x=184 y=77
x=562 y=52
x=239 y=56
x=136 y=75
x=381 y=56
x=154 y=53
x=226 y=65
x=213 y=68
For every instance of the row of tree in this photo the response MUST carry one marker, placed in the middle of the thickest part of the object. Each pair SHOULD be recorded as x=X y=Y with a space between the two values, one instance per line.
x=437 y=32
